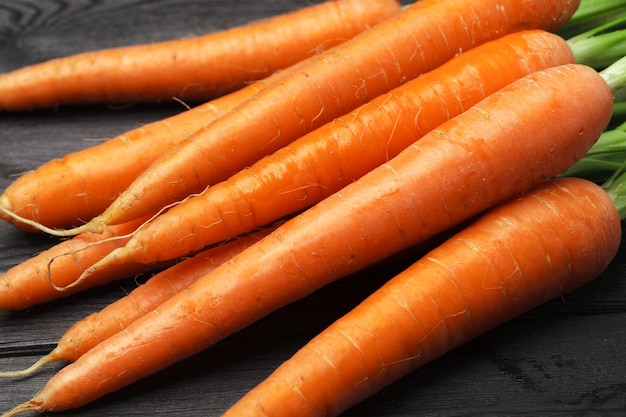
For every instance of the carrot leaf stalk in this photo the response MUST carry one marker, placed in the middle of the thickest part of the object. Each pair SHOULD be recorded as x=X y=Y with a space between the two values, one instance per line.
x=615 y=76
x=602 y=45
x=615 y=188
x=606 y=157
x=592 y=13
x=619 y=110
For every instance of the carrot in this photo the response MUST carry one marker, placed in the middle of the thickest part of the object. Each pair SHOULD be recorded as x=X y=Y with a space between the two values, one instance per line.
x=422 y=37
x=98 y=326
x=548 y=242
x=191 y=69
x=293 y=178
x=493 y=151
x=90 y=179
x=52 y=273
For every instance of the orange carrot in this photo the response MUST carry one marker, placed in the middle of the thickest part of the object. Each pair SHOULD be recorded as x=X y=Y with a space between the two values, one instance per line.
x=39 y=279
x=115 y=317
x=552 y=240
x=293 y=178
x=422 y=37
x=491 y=152
x=192 y=69
x=92 y=178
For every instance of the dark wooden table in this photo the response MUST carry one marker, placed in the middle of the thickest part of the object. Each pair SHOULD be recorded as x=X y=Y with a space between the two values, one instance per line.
x=563 y=358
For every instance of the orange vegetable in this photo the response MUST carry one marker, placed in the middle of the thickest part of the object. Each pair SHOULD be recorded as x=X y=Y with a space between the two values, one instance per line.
x=550 y=241
x=293 y=178
x=422 y=37
x=192 y=69
x=92 y=178
x=98 y=326
x=491 y=152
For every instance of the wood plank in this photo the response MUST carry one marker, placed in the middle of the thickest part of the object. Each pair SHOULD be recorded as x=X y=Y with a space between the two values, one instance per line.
x=563 y=358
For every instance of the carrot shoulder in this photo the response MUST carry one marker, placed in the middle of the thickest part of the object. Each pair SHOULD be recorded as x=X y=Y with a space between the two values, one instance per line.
x=338 y=153
x=550 y=241
x=491 y=152
x=421 y=38
x=191 y=69
x=91 y=179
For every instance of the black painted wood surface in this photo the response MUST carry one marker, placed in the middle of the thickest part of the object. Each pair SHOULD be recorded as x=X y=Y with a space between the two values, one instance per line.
x=563 y=358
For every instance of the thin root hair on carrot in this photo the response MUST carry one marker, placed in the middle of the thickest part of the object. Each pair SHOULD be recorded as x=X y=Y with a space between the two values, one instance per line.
x=99 y=242
x=22 y=408
x=44 y=360
x=42 y=228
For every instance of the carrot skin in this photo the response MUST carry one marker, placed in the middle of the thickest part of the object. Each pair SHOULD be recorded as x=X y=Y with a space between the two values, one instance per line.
x=422 y=37
x=92 y=178
x=192 y=69
x=493 y=151
x=534 y=248
x=293 y=179
x=28 y=283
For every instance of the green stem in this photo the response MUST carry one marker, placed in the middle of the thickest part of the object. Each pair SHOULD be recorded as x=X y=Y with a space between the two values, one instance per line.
x=619 y=110
x=592 y=13
x=604 y=158
x=602 y=45
x=616 y=188
x=615 y=76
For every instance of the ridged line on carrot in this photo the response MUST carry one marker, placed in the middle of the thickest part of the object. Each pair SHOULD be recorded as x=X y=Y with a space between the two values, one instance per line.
x=552 y=240
x=499 y=148
x=91 y=179
x=422 y=37
x=293 y=178
x=191 y=69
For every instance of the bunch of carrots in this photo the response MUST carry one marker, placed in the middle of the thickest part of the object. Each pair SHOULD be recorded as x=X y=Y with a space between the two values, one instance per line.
x=391 y=130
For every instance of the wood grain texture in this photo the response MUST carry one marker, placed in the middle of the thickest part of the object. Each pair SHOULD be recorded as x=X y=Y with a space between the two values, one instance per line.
x=563 y=358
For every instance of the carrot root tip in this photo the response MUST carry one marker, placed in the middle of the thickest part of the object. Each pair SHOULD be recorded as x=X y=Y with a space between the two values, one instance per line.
x=22 y=408
x=7 y=212
x=30 y=370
